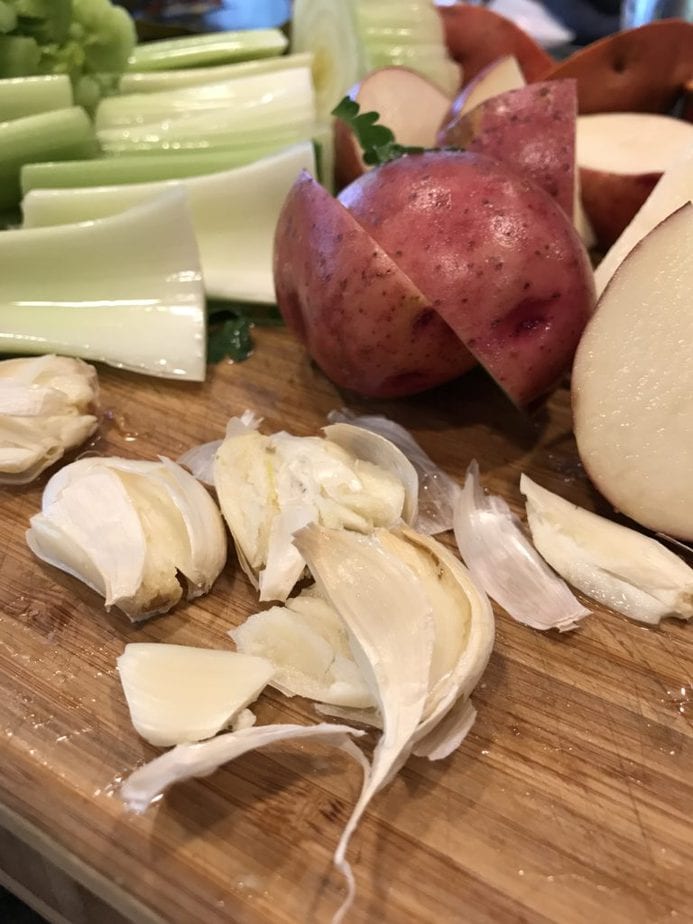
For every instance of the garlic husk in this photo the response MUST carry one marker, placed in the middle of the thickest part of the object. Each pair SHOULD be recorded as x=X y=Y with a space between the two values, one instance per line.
x=128 y=529
x=271 y=486
x=217 y=686
x=420 y=631
x=621 y=568
x=503 y=561
x=307 y=644
x=200 y=459
x=437 y=491
x=445 y=737
x=46 y=409
x=185 y=761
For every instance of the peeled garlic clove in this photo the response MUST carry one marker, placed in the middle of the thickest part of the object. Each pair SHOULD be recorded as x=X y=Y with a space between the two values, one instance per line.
x=269 y=487
x=200 y=459
x=46 y=409
x=506 y=565
x=193 y=760
x=308 y=647
x=129 y=529
x=617 y=566
x=437 y=491
x=217 y=686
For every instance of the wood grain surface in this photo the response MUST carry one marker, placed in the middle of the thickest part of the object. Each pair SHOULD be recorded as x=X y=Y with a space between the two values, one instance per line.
x=569 y=802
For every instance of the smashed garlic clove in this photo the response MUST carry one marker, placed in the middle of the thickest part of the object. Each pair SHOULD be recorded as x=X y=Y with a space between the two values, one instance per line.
x=200 y=459
x=621 y=568
x=46 y=409
x=503 y=561
x=186 y=761
x=129 y=530
x=217 y=686
x=438 y=492
x=445 y=737
x=270 y=486
x=307 y=644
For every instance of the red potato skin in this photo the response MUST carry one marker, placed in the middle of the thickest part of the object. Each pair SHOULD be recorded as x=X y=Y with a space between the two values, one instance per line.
x=532 y=130
x=688 y=101
x=639 y=70
x=362 y=320
x=459 y=102
x=348 y=163
x=611 y=201
x=498 y=258
x=476 y=36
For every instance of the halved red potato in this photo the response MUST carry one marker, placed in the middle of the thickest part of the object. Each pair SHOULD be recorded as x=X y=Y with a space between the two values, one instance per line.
x=531 y=130
x=497 y=257
x=476 y=36
x=638 y=70
x=408 y=104
x=499 y=76
x=363 y=321
x=621 y=157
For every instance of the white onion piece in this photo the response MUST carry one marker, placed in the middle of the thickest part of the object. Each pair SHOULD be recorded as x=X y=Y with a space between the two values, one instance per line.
x=437 y=490
x=617 y=566
x=194 y=760
x=506 y=565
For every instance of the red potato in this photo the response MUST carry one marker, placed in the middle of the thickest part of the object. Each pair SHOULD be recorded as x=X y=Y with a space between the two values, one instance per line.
x=498 y=258
x=531 y=130
x=362 y=319
x=501 y=75
x=639 y=70
x=408 y=104
x=621 y=157
x=476 y=37
x=688 y=101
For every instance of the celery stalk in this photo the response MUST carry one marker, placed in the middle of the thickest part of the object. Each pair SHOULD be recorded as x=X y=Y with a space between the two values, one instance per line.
x=23 y=96
x=156 y=81
x=19 y=55
x=201 y=50
x=125 y=290
x=235 y=253
x=61 y=135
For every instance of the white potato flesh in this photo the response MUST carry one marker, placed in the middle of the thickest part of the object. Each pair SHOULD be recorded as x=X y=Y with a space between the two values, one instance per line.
x=631 y=142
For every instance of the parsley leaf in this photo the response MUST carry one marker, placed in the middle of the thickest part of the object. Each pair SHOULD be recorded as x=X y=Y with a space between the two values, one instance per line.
x=229 y=326
x=378 y=142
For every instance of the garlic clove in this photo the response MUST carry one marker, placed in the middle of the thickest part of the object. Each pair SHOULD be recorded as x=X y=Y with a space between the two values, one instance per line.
x=186 y=761
x=200 y=459
x=505 y=564
x=437 y=491
x=620 y=567
x=129 y=529
x=308 y=647
x=46 y=409
x=218 y=686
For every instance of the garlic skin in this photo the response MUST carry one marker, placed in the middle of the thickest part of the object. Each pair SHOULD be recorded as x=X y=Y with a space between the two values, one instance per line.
x=271 y=486
x=128 y=529
x=503 y=561
x=217 y=687
x=621 y=568
x=308 y=647
x=46 y=409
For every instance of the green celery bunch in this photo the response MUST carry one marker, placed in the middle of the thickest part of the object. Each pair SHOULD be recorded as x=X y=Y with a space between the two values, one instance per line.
x=89 y=40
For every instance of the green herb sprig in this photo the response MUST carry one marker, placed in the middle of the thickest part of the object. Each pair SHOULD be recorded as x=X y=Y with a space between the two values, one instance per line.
x=377 y=141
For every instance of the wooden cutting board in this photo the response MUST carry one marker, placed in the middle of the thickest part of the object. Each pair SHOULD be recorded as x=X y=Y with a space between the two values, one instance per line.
x=570 y=801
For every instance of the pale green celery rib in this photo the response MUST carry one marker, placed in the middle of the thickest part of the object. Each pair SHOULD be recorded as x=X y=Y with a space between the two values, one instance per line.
x=235 y=252
x=249 y=98
x=139 y=168
x=158 y=81
x=64 y=134
x=25 y=96
x=202 y=50
x=125 y=290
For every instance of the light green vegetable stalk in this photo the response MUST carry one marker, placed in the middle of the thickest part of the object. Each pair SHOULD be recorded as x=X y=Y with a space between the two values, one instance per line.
x=63 y=134
x=125 y=290
x=24 y=96
x=203 y=50
x=235 y=252
x=84 y=39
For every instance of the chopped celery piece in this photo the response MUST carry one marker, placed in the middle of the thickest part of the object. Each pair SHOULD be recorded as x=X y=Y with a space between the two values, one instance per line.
x=64 y=134
x=282 y=115
x=156 y=81
x=125 y=290
x=136 y=168
x=235 y=252
x=8 y=17
x=23 y=96
x=201 y=50
x=19 y=55
x=249 y=99
x=323 y=139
